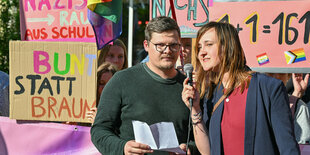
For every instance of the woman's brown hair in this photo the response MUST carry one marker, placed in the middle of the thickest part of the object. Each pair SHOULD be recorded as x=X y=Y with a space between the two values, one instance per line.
x=232 y=60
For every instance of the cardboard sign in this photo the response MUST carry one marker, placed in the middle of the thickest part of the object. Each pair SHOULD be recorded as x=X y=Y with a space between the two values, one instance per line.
x=55 y=20
x=274 y=39
x=52 y=81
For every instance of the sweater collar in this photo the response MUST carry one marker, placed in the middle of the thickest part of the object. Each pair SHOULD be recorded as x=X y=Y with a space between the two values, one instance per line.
x=158 y=78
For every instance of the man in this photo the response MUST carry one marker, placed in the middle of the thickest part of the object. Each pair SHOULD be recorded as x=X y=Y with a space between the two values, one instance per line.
x=148 y=92
x=186 y=51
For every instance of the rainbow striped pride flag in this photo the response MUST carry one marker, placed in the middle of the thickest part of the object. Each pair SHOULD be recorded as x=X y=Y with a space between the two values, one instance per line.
x=262 y=59
x=105 y=16
x=294 y=56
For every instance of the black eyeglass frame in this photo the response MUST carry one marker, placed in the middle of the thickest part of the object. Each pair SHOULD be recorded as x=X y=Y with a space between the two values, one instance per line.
x=166 y=45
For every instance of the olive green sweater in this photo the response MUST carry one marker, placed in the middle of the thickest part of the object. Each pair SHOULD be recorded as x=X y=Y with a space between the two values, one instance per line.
x=137 y=93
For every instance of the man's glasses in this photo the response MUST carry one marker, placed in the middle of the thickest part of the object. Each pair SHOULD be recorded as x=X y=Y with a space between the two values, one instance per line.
x=162 y=47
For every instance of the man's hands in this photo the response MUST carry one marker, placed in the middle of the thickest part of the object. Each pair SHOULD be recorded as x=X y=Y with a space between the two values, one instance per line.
x=134 y=148
x=183 y=147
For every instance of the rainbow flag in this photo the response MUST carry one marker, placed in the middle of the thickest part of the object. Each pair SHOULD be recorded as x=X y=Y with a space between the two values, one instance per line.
x=262 y=59
x=294 y=56
x=105 y=16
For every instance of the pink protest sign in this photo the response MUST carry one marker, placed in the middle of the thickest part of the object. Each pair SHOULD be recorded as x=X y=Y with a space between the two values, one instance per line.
x=191 y=15
x=274 y=35
x=55 y=20
x=30 y=137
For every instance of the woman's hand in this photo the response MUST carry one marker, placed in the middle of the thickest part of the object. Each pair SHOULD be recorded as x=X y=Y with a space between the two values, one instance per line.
x=90 y=115
x=190 y=92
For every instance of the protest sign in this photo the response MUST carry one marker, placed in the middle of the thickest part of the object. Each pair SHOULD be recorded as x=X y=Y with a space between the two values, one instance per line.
x=52 y=81
x=55 y=20
x=191 y=15
x=274 y=39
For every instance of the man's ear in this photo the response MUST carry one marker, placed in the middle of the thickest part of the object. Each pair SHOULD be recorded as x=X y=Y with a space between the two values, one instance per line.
x=146 y=45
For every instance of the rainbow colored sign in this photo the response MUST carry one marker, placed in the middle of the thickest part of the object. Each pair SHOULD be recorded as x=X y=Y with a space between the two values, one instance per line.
x=262 y=28
x=52 y=81
x=294 y=56
x=268 y=30
x=262 y=59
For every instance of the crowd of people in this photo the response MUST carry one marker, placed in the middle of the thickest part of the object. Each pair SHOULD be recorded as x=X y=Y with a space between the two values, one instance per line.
x=234 y=110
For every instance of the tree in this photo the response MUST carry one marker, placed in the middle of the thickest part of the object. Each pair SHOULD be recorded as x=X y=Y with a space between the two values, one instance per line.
x=9 y=29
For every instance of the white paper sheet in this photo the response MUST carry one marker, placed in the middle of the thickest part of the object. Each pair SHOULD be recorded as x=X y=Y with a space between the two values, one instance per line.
x=159 y=136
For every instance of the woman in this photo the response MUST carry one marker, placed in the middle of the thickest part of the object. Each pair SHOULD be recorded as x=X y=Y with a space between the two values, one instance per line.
x=115 y=53
x=252 y=115
x=104 y=74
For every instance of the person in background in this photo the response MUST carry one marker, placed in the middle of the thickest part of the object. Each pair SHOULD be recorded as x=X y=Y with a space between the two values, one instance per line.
x=242 y=112
x=302 y=115
x=4 y=94
x=141 y=55
x=147 y=92
x=186 y=50
x=115 y=53
x=145 y=60
x=104 y=74
x=306 y=94
x=185 y=54
x=299 y=109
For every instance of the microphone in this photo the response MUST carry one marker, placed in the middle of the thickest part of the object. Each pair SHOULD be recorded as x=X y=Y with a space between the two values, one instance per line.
x=188 y=69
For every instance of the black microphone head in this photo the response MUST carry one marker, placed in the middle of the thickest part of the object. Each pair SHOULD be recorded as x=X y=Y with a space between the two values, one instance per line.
x=188 y=68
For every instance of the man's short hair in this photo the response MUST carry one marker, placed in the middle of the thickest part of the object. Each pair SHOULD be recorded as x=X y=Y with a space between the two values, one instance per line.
x=159 y=25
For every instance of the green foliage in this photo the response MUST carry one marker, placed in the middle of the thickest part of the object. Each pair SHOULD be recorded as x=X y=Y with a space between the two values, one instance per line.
x=9 y=29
